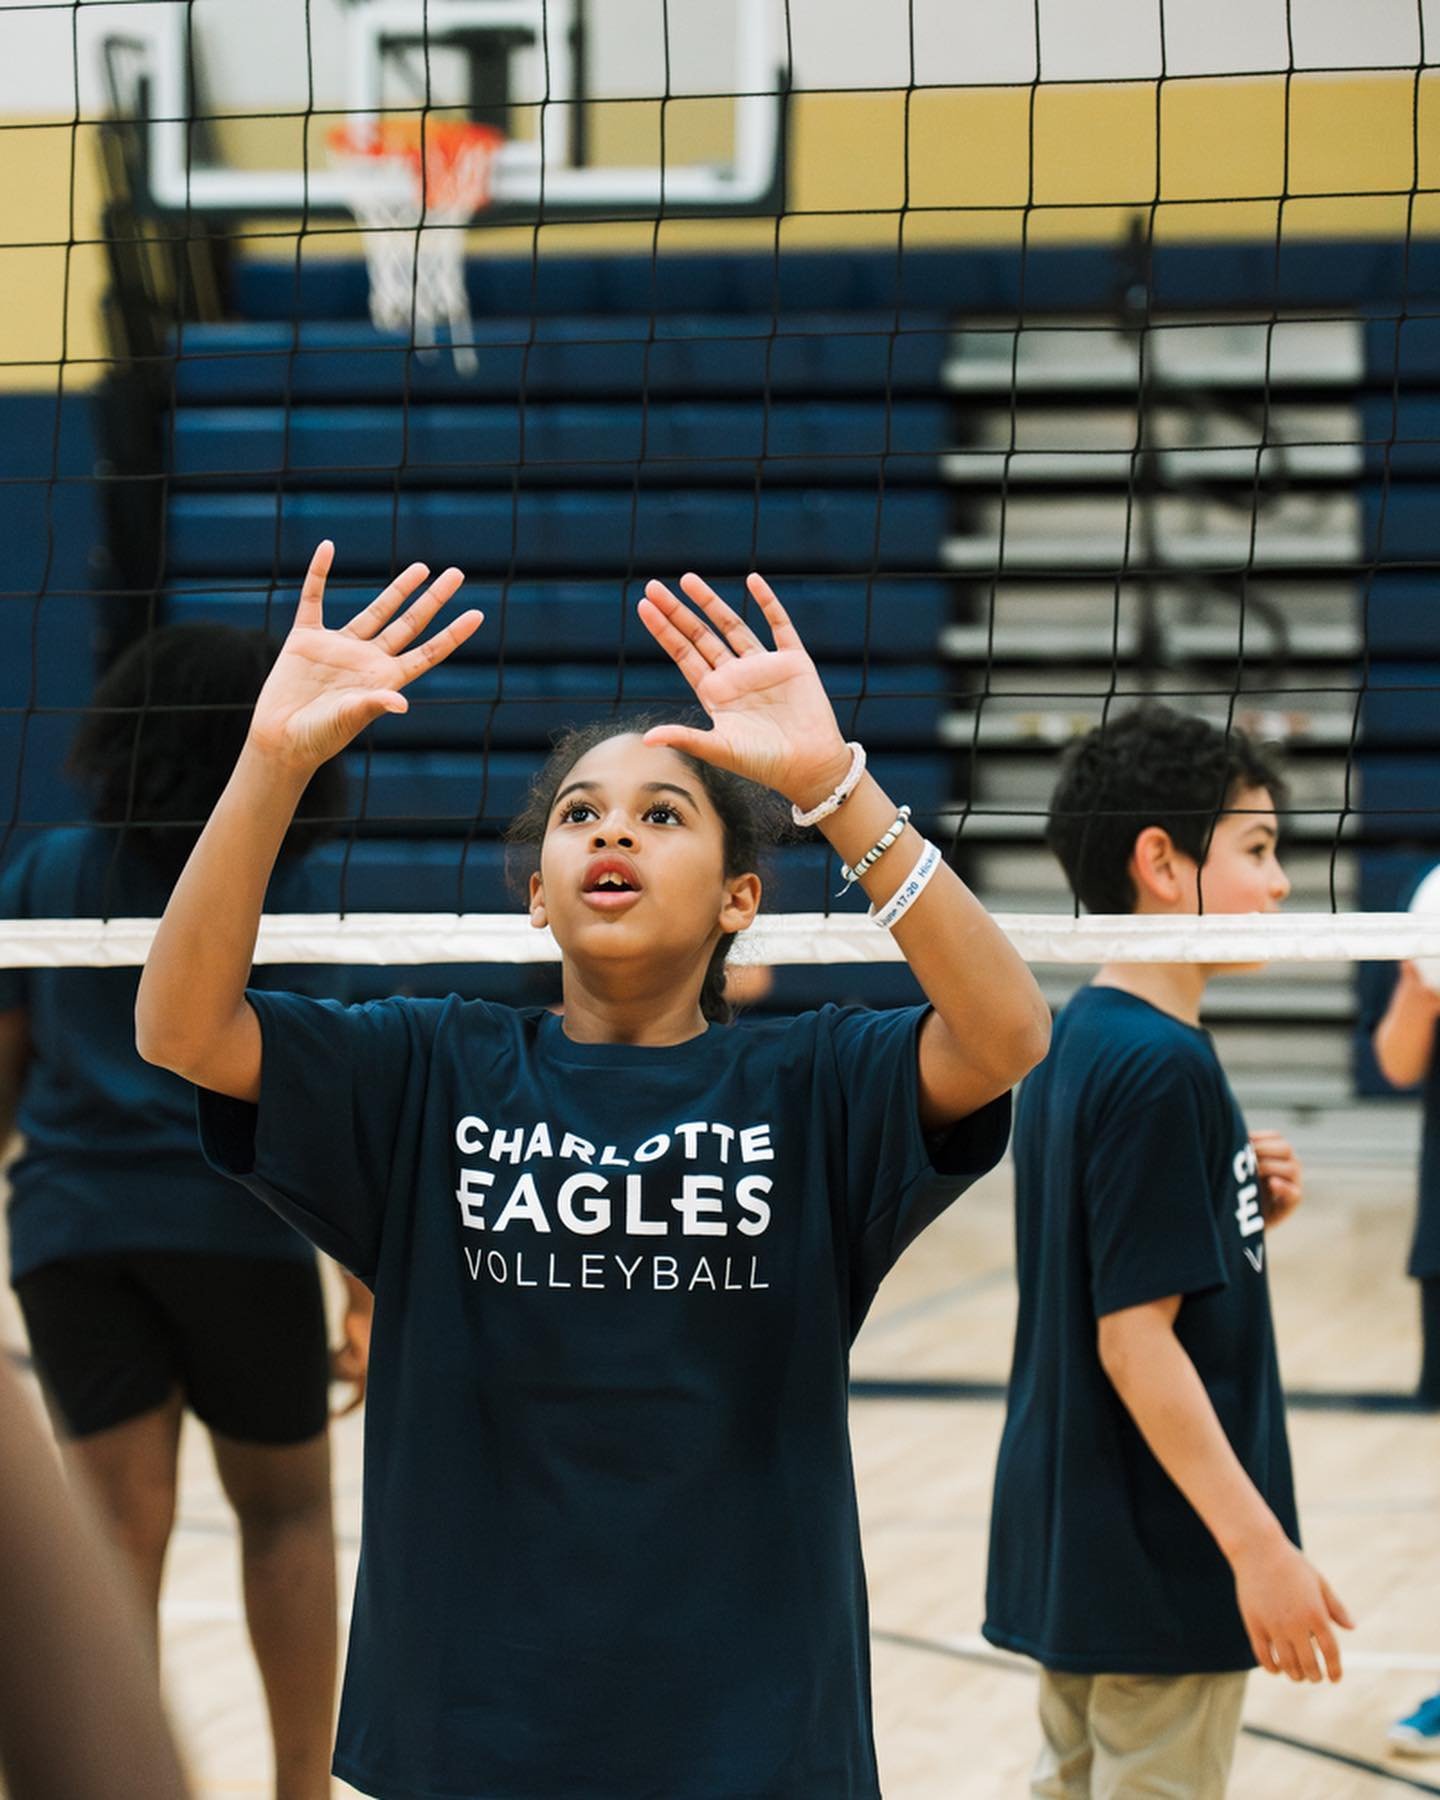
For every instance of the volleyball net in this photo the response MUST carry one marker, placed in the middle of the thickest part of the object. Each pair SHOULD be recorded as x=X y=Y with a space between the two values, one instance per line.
x=1045 y=368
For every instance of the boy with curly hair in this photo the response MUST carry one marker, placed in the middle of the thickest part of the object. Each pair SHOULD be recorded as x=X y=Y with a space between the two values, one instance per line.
x=1144 y=1546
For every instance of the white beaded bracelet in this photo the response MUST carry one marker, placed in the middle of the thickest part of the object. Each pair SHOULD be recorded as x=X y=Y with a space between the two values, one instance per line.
x=873 y=855
x=910 y=889
x=842 y=793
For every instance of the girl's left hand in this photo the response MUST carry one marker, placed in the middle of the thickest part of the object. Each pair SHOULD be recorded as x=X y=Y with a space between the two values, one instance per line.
x=1281 y=1177
x=772 y=719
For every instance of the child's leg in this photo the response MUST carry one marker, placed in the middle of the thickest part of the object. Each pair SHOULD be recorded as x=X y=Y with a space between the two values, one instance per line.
x=281 y=1496
x=1062 y=1770
x=1164 y=1734
x=1428 y=1391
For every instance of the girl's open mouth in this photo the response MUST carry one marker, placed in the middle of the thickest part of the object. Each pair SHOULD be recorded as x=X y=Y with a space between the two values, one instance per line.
x=611 y=884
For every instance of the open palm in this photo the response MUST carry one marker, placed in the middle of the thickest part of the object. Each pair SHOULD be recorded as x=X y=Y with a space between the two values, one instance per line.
x=327 y=686
x=771 y=717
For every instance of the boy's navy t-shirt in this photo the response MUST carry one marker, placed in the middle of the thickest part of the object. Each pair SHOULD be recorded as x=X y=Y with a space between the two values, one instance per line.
x=110 y=1161
x=1134 y=1180
x=610 y=1545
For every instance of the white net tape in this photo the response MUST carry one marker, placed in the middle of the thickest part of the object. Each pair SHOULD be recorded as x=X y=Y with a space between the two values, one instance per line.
x=403 y=938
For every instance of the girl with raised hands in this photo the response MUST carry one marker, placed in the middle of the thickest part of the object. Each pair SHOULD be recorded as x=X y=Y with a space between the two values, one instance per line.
x=610 y=1544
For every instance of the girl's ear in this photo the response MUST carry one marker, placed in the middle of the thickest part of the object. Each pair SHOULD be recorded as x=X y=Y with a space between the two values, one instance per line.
x=537 y=902
x=1156 y=871
x=741 y=903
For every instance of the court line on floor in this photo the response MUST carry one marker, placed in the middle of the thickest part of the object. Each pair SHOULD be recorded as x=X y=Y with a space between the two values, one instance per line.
x=977 y=1650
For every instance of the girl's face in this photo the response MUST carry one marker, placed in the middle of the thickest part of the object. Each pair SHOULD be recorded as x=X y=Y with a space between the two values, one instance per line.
x=633 y=863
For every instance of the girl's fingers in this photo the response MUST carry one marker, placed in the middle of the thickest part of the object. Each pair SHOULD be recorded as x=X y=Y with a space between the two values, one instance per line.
x=414 y=619
x=776 y=617
x=691 y=664
x=311 y=610
x=704 y=745
x=738 y=635
x=436 y=649
x=366 y=623
x=1330 y=1650
x=707 y=645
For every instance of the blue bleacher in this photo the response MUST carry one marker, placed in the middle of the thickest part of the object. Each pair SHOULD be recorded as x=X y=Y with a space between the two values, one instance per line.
x=614 y=429
x=559 y=531
x=535 y=358
x=664 y=444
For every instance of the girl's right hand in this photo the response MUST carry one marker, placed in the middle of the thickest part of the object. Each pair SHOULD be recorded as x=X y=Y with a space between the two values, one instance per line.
x=327 y=686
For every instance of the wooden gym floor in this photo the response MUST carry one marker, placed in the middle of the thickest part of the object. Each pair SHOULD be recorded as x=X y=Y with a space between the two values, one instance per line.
x=955 y=1720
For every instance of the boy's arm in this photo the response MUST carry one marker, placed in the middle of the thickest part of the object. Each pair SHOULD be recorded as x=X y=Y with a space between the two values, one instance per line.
x=325 y=688
x=1287 y=1605
x=1405 y=1037
x=14 y=1059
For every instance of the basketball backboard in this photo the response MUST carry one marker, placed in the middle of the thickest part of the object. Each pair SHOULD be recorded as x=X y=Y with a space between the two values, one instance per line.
x=492 y=58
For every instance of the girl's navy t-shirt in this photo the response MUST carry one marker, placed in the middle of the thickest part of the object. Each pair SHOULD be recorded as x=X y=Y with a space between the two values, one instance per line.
x=610 y=1545
x=1134 y=1181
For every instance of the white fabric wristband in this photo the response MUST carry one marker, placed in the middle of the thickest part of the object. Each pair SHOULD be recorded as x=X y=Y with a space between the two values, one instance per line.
x=909 y=891
x=842 y=793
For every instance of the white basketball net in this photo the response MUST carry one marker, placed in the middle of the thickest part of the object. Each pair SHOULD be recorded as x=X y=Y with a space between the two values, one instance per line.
x=415 y=231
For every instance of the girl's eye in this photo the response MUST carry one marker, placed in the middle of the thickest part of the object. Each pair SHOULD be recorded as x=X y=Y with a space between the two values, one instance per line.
x=671 y=815
x=569 y=812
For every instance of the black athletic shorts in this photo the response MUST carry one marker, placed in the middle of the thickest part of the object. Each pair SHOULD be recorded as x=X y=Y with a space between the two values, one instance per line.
x=242 y=1337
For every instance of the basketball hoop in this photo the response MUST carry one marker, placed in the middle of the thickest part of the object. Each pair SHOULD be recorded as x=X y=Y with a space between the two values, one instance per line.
x=414 y=185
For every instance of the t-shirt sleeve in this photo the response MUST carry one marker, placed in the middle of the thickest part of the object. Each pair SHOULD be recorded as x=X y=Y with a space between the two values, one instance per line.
x=14 y=983
x=336 y=1134
x=1148 y=1189
x=896 y=1179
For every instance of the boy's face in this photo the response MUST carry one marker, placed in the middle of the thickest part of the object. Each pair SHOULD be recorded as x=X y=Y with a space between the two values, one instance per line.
x=1242 y=872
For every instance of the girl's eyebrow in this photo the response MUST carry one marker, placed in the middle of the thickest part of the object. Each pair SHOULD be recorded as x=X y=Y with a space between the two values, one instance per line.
x=649 y=787
x=671 y=787
x=575 y=787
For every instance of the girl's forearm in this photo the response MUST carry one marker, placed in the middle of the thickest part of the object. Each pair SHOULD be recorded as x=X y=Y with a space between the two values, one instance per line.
x=195 y=975
x=979 y=985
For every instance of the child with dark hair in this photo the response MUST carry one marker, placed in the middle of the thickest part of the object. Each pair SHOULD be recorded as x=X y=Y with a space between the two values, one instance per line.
x=1404 y=1038
x=619 y=1255
x=1143 y=1541
x=147 y=1284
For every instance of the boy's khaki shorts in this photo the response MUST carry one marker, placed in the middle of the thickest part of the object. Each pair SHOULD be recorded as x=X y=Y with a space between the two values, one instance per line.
x=1115 y=1737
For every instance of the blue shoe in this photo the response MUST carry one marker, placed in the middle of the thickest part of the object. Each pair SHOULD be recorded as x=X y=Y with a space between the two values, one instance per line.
x=1419 y=1733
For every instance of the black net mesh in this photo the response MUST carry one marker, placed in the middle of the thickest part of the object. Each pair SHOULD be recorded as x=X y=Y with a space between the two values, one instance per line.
x=1035 y=395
